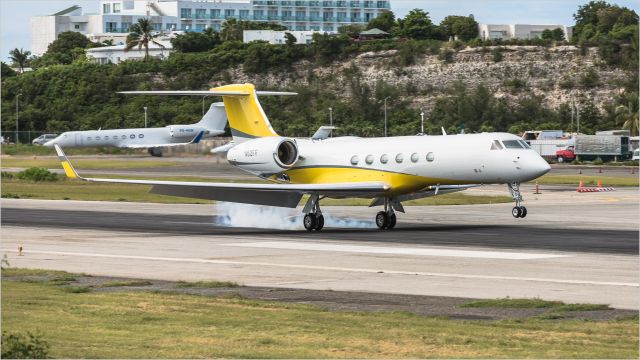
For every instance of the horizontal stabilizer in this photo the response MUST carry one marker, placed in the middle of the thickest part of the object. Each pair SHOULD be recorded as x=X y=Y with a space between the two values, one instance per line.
x=323 y=132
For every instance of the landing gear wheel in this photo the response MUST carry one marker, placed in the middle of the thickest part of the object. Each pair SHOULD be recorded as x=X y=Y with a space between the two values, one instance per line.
x=319 y=222
x=392 y=221
x=382 y=220
x=516 y=212
x=310 y=222
x=523 y=211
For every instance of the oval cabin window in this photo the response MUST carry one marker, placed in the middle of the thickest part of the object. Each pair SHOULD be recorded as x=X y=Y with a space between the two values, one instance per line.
x=369 y=159
x=415 y=157
x=399 y=158
x=430 y=157
x=354 y=160
x=384 y=158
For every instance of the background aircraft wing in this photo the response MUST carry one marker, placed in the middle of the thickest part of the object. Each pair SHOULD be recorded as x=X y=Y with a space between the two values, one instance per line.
x=284 y=195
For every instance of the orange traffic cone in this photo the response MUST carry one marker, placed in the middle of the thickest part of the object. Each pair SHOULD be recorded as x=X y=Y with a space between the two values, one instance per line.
x=599 y=184
x=580 y=186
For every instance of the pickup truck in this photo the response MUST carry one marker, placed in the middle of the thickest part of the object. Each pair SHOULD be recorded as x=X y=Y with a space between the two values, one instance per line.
x=566 y=154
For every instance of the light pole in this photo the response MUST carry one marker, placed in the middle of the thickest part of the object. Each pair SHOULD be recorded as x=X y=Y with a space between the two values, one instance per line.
x=330 y=121
x=385 y=115
x=145 y=116
x=17 y=115
x=422 y=122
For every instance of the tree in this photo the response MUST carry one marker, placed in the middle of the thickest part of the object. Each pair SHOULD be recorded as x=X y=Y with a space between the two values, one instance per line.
x=351 y=29
x=195 y=42
x=546 y=34
x=628 y=117
x=464 y=27
x=290 y=39
x=19 y=57
x=140 y=36
x=384 y=21
x=68 y=41
x=231 y=30
x=557 y=34
x=6 y=71
x=416 y=25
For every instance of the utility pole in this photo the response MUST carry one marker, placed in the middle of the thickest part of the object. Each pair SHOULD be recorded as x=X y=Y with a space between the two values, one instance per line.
x=385 y=115
x=17 y=115
x=422 y=122
x=145 y=116
x=578 y=117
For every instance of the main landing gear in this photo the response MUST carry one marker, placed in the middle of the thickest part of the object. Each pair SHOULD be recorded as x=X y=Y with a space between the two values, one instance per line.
x=518 y=211
x=386 y=220
x=313 y=219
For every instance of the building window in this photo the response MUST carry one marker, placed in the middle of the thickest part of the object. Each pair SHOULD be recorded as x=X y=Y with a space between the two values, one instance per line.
x=229 y=13
x=185 y=13
x=200 y=27
x=327 y=16
x=272 y=14
x=111 y=27
x=214 y=13
x=116 y=7
x=201 y=13
x=244 y=14
x=382 y=4
x=171 y=27
x=125 y=26
x=106 y=8
x=77 y=27
x=327 y=28
x=156 y=26
x=368 y=16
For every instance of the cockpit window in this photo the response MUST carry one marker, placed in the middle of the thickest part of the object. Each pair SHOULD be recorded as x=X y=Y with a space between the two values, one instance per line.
x=495 y=145
x=512 y=144
x=524 y=143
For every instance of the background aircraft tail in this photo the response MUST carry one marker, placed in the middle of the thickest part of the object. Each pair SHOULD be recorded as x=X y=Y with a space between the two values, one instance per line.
x=215 y=119
x=246 y=118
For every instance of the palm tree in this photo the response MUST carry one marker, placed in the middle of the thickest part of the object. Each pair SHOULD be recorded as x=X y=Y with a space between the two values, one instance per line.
x=19 y=57
x=630 y=118
x=140 y=36
x=231 y=30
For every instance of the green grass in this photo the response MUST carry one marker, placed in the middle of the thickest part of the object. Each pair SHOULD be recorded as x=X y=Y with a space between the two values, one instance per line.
x=125 y=283
x=207 y=284
x=76 y=289
x=126 y=324
x=535 y=303
x=30 y=150
x=588 y=180
x=54 y=163
x=79 y=190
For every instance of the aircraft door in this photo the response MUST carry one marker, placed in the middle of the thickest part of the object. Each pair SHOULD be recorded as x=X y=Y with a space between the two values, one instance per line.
x=78 y=139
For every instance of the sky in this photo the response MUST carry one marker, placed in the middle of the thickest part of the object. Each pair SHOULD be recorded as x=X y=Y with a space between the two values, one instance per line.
x=15 y=25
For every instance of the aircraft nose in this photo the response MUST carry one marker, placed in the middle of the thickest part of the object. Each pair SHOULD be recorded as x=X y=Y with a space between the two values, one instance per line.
x=49 y=143
x=540 y=166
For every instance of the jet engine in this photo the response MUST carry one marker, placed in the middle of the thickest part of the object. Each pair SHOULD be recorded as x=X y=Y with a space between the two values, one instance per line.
x=267 y=155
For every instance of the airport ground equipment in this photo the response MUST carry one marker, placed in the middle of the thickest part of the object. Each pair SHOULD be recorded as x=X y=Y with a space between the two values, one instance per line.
x=387 y=170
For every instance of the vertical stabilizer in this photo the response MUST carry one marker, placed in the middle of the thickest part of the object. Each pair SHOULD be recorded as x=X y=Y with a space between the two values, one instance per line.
x=215 y=119
x=246 y=118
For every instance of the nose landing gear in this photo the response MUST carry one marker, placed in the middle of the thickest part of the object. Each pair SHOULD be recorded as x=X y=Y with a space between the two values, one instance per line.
x=518 y=211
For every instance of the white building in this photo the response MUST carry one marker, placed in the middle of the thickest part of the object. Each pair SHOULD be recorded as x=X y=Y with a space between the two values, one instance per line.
x=116 y=16
x=518 y=31
x=278 y=37
x=115 y=54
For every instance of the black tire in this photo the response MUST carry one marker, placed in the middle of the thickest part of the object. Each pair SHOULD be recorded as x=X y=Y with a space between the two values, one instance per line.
x=309 y=222
x=523 y=211
x=382 y=220
x=319 y=222
x=516 y=212
x=392 y=221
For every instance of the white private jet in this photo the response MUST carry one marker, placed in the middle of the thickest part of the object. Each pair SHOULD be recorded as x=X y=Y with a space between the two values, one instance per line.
x=388 y=170
x=212 y=124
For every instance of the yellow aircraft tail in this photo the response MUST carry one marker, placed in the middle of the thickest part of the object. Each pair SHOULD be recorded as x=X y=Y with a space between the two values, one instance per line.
x=247 y=120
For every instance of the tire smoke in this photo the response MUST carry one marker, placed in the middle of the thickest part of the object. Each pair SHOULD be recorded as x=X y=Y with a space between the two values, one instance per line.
x=272 y=217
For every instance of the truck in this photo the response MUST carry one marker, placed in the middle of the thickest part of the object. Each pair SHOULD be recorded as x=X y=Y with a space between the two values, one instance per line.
x=605 y=147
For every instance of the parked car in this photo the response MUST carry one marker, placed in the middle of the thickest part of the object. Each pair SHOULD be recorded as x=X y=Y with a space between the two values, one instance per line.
x=565 y=154
x=40 y=140
x=636 y=154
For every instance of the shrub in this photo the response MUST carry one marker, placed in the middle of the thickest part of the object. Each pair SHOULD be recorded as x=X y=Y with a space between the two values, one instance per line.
x=497 y=55
x=18 y=346
x=6 y=175
x=590 y=78
x=37 y=174
x=446 y=56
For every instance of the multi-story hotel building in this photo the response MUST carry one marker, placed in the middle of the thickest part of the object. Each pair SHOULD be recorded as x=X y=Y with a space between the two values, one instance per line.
x=116 y=16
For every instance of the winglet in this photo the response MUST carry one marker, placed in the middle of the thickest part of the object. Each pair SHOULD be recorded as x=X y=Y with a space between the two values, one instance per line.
x=66 y=165
x=198 y=137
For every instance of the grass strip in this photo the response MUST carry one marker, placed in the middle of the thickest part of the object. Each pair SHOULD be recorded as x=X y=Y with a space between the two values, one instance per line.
x=207 y=284
x=128 y=324
x=125 y=283
x=535 y=303
x=25 y=162
x=80 y=190
x=588 y=180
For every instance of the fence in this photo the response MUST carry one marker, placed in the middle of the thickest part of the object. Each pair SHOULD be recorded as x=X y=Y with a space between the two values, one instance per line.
x=24 y=137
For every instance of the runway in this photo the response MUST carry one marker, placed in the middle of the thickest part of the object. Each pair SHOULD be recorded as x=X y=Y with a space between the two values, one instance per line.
x=476 y=251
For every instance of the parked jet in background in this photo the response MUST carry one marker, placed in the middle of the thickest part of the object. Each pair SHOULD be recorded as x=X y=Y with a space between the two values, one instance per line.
x=388 y=170
x=212 y=124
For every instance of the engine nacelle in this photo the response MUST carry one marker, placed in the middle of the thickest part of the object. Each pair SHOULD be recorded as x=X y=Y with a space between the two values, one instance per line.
x=184 y=131
x=267 y=155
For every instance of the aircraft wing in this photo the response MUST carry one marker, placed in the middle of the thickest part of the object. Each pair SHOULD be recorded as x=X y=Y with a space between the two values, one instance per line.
x=283 y=195
x=196 y=139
